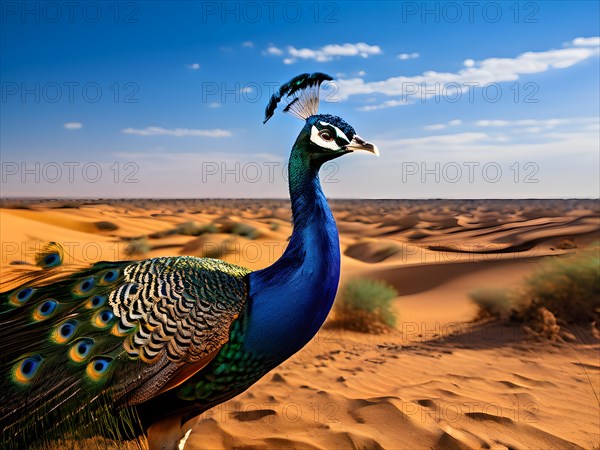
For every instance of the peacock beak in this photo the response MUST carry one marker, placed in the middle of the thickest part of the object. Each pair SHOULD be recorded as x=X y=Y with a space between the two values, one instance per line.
x=359 y=143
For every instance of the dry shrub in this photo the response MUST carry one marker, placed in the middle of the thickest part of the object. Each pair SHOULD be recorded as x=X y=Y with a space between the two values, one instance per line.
x=137 y=247
x=245 y=230
x=565 y=289
x=542 y=323
x=493 y=302
x=194 y=229
x=365 y=305
x=105 y=225
x=568 y=286
x=185 y=229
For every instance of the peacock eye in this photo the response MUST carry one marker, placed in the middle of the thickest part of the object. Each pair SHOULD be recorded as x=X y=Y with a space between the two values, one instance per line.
x=98 y=367
x=95 y=301
x=25 y=370
x=110 y=276
x=51 y=260
x=64 y=332
x=84 y=286
x=45 y=310
x=80 y=350
x=326 y=135
x=19 y=297
x=102 y=318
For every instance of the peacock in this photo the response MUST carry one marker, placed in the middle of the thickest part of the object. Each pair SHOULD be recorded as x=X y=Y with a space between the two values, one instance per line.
x=126 y=348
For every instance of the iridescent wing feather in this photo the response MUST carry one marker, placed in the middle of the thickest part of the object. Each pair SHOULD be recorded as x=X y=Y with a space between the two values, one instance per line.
x=77 y=351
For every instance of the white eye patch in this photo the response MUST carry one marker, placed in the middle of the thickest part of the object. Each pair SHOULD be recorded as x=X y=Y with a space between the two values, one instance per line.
x=316 y=139
x=340 y=133
x=333 y=143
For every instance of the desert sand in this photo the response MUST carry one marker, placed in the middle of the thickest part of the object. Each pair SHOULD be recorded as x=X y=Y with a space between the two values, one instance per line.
x=442 y=379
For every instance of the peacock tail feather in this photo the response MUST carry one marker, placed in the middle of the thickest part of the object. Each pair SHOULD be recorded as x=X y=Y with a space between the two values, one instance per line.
x=81 y=350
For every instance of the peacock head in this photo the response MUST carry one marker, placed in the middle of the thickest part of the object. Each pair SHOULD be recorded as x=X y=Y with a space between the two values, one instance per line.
x=323 y=137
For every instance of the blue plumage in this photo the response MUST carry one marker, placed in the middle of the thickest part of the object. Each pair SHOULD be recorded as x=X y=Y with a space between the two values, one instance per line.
x=126 y=347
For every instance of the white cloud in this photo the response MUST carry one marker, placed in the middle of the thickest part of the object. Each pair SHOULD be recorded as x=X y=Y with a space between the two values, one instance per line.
x=248 y=44
x=194 y=66
x=587 y=42
x=386 y=104
x=475 y=74
x=469 y=63
x=492 y=123
x=214 y=105
x=73 y=125
x=442 y=126
x=440 y=140
x=404 y=56
x=326 y=53
x=178 y=132
x=435 y=126
x=361 y=73
x=190 y=160
x=560 y=163
x=272 y=50
x=501 y=147
x=501 y=135
x=537 y=125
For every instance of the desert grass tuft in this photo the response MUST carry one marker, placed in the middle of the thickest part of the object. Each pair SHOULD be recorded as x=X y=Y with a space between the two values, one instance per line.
x=245 y=230
x=493 y=302
x=568 y=286
x=564 y=290
x=365 y=305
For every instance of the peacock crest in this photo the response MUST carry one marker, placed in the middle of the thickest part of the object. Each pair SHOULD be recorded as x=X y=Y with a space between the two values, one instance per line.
x=300 y=96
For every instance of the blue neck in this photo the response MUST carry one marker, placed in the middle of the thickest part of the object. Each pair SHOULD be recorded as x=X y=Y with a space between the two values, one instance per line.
x=291 y=299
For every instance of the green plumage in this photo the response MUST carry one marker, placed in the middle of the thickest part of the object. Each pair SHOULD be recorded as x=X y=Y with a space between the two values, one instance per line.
x=89 y=346
x=125 y=348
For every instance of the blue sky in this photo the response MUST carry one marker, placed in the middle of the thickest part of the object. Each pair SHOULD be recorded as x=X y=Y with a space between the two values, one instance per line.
x=166 y=99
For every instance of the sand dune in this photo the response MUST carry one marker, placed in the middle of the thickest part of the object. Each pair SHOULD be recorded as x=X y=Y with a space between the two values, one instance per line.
x=440 y=380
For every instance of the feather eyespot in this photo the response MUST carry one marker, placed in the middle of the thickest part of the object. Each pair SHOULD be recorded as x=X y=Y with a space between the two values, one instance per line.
x=51 y=260
x=98 y=367
x=85 y=286
x=25 y=370
x=50 y=256
x=110 y=276
x=24 y=294
x=19 y=297
x=95 y=302
x=102 y=318
x=64 y=332
x=81 y=349
x=45 y=309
